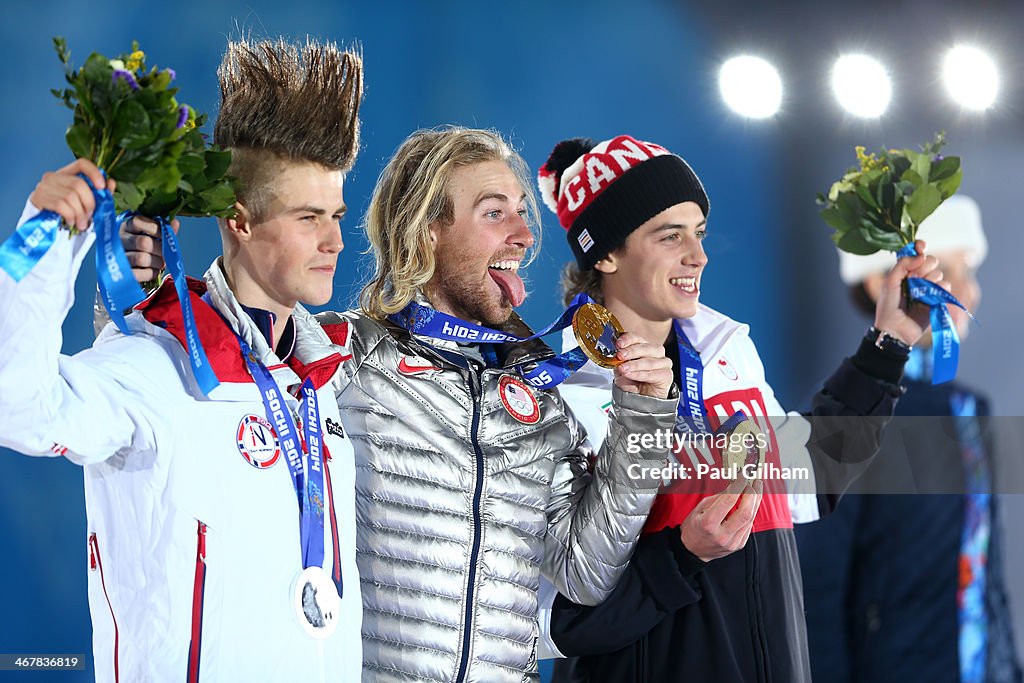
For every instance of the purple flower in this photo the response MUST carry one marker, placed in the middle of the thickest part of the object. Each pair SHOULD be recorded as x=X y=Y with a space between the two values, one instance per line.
x=173 y=74
x=182 y=116
x=938 y=157
x=127 y=77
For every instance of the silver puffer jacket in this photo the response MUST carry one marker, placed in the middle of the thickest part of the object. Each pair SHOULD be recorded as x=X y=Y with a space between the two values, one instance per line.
x=460 y=506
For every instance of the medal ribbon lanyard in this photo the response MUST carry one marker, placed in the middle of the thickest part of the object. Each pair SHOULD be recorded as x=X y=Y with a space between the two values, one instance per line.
x=691 y=415
x=429 y=322
x=945 y=340
x=306 y=469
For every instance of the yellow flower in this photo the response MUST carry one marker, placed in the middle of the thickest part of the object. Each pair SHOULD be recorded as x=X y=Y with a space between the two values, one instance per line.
x=135 y=60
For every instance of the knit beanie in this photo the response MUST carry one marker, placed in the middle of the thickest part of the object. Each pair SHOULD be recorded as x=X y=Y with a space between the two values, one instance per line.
x=602 y=192
x=956 y=224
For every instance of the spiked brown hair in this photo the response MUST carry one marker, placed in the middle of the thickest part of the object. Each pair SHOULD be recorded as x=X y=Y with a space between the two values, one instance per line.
x=282 y=102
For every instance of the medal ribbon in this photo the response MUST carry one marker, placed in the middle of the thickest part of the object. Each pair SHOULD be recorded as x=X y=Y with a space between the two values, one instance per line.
x=691 y=414
x=306 y=469
x=945 y=340
x=429 y=322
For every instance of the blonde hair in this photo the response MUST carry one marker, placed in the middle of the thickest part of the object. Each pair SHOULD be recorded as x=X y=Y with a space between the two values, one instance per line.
x=411 y=194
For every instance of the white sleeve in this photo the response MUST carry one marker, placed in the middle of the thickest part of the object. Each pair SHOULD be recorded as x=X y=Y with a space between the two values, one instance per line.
x=84 y=406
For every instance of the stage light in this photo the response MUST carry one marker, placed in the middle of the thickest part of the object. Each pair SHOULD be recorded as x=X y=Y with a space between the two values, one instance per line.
x=750 y=86
x=861 y=85
x=971 y=77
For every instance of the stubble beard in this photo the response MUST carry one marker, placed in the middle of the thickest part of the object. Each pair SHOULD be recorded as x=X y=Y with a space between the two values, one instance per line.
x=467 y=296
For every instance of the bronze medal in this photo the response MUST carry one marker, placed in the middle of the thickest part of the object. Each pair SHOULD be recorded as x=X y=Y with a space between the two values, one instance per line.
x=596 y=331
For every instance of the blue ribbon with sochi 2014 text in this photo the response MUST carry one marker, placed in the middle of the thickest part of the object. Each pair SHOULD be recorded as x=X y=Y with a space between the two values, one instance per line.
x=549 y=373
x=945 y=340
x=119 y=291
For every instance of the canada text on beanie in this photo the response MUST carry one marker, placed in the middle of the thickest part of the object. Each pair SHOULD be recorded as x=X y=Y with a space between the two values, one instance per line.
x=603 y=192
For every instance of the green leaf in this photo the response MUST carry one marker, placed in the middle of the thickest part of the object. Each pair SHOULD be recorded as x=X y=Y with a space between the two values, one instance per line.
x=834 y=219
x=921 y=165
x=864 y=192
x=79 y=140
x=899 y=164
x=849 y=208
x=944 y=168
x=217 y=163
x=910 y=177
x=133 y=128
x=885 y=195
x=219 y=196
x=854 y=243
x=948 y=187
x=191 y=164
x=923 y=202
x=881 y=235
x=61 y=46
x=127 y=196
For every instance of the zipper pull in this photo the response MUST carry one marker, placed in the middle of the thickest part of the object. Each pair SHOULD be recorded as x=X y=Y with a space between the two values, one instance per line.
x=92 y=552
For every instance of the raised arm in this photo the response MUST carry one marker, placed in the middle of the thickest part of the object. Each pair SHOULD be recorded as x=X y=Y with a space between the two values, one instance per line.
x=51 y=404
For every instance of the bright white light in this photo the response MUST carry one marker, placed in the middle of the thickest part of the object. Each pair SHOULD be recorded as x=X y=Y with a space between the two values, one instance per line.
x=861 y=85
x=971 y=77
x=750 y=86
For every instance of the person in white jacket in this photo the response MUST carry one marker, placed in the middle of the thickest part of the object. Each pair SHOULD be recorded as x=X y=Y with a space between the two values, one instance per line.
x=712 y=592
x=221 y=532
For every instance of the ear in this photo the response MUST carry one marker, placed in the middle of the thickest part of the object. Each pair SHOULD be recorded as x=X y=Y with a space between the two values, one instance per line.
x=607 y=265
x=240 y=225
x=434 y=229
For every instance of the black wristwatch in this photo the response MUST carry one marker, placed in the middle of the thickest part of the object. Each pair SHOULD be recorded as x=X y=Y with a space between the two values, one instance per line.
x=885 y=341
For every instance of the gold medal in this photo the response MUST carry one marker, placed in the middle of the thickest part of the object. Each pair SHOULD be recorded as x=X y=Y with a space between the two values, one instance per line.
x=744 y=454
x=596 y=331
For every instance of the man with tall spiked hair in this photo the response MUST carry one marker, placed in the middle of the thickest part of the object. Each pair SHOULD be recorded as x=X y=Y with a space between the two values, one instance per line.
x=221 y=534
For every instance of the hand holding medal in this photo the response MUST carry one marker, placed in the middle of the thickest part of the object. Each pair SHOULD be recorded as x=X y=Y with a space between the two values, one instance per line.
x=640 y=367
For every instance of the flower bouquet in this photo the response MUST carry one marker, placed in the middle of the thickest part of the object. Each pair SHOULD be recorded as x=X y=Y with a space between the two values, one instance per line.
x=128 y=122
x=879 y=204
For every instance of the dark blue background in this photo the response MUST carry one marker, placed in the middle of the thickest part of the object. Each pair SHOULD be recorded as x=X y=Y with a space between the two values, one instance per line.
x=538 y=72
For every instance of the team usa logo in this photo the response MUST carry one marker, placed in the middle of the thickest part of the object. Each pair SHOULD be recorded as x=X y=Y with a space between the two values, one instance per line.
x=518 y=400
x=257 y=442
x=727 y=369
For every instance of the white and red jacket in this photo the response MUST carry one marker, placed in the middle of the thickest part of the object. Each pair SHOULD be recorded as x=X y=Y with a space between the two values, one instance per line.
x=733 y=380
x=193 y=523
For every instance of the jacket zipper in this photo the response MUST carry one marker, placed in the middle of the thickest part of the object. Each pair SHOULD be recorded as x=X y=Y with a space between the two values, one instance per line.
x=467 y=630
x=96 y=562
x=198 y=593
